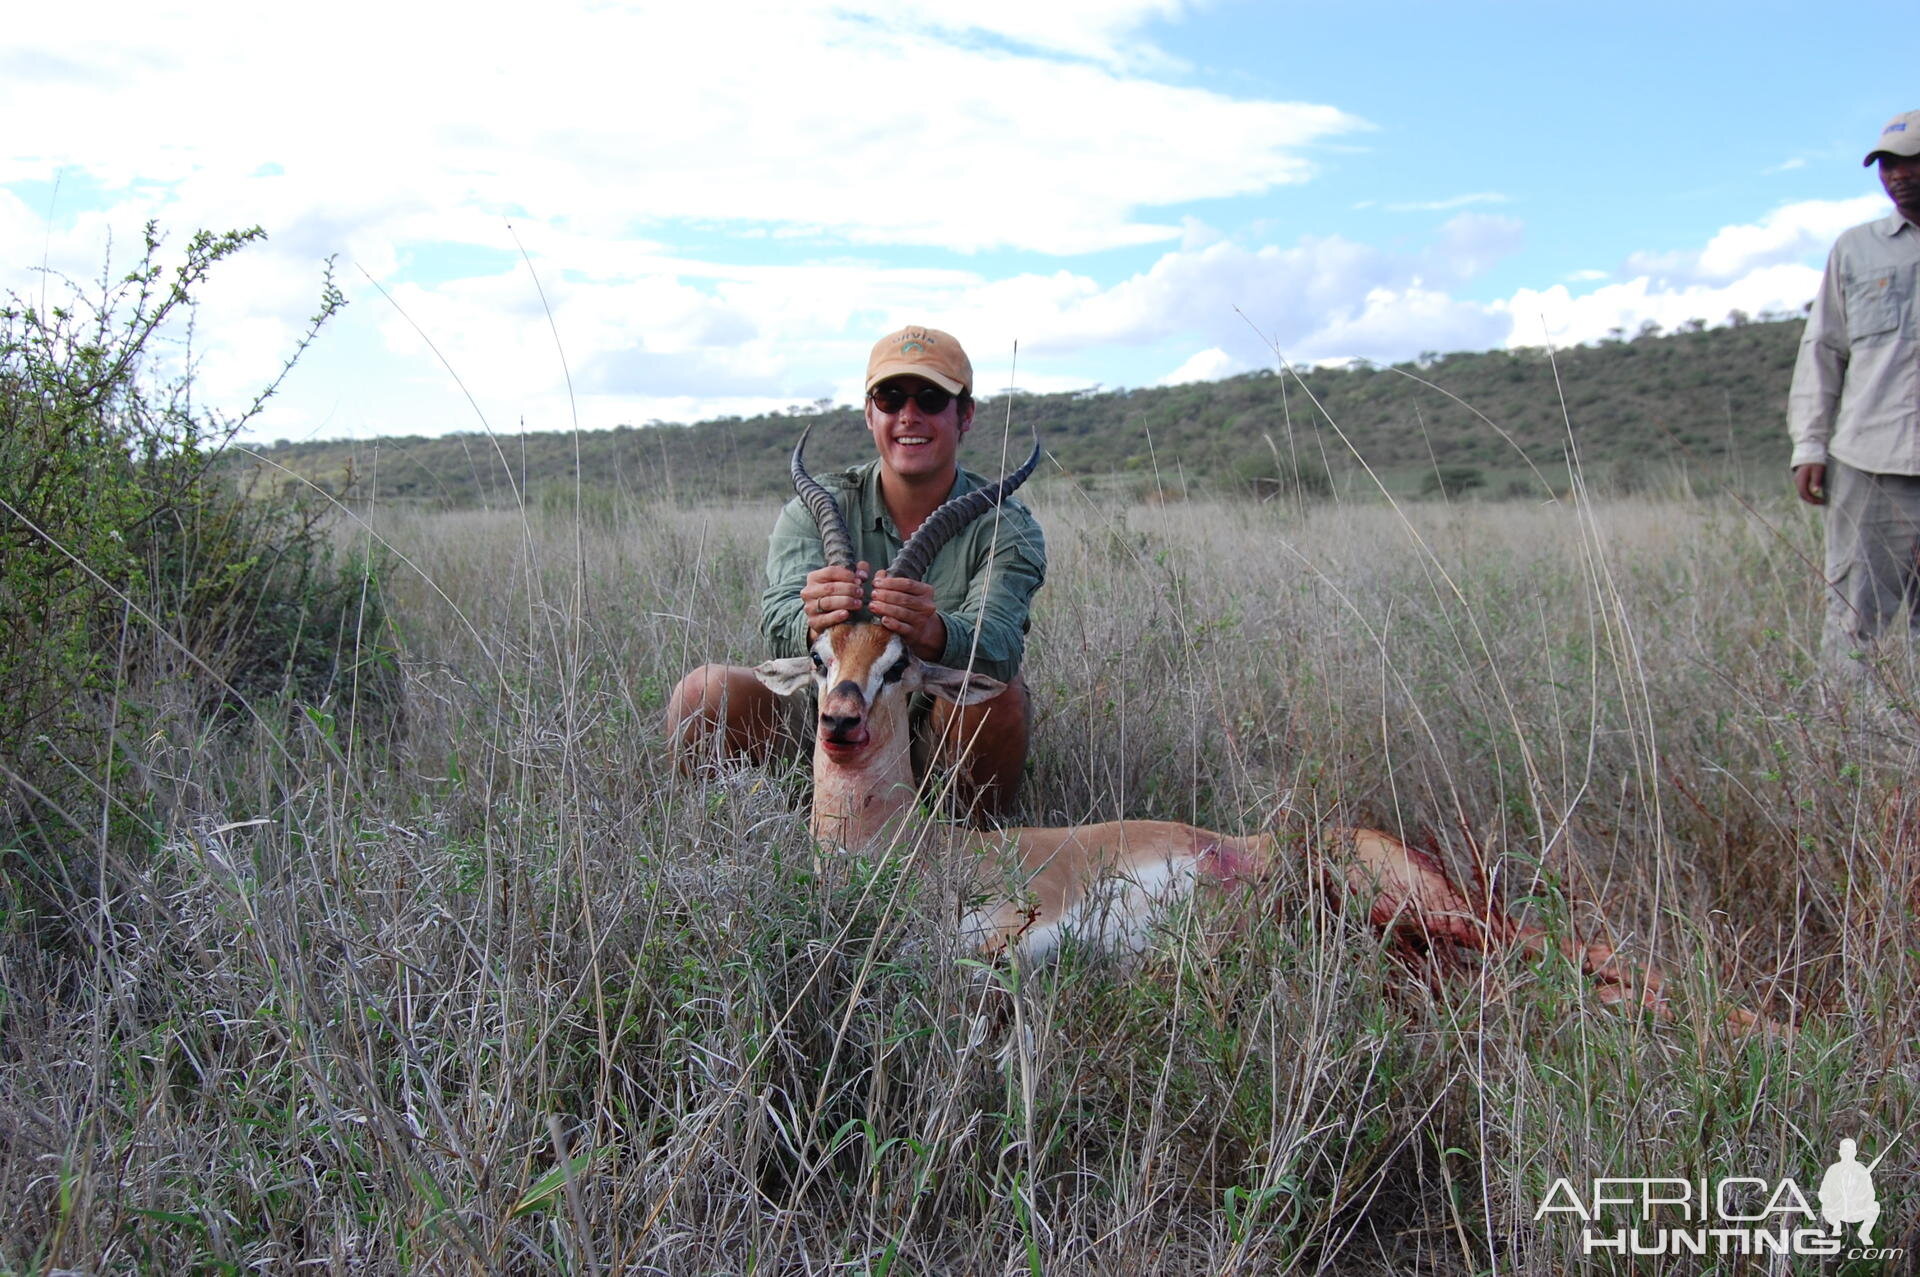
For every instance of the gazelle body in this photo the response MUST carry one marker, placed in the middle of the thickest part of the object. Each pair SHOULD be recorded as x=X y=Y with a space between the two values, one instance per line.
x=1102 y=882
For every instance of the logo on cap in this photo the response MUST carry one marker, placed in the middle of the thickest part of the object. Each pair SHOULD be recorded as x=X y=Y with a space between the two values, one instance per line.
x=1898 y=126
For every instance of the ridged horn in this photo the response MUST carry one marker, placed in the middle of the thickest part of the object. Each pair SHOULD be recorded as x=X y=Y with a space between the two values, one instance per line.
x=956 y=514
x=826 y=514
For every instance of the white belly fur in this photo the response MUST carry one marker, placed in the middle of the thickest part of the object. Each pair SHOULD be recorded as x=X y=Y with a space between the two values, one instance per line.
x=1114 y=913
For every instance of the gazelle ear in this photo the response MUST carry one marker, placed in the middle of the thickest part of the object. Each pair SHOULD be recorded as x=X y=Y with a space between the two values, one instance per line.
x=957 y=686
x=786 y=676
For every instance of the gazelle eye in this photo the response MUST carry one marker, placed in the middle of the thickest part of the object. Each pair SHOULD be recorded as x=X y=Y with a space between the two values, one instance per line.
x=896 y=670
x=818 y=664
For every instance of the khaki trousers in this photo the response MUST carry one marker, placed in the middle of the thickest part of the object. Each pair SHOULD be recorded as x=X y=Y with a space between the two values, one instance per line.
x=1873 y=559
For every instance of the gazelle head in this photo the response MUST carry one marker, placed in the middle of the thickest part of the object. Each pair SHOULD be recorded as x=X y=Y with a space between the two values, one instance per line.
x=863 y=672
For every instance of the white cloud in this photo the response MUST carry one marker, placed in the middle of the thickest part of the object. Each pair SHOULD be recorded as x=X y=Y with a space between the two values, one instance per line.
x=1210 y=364
x=405 y=142
x=1446 y=205
x=1393 y=323
x=646 y=334
x=649 y=335
x=1195 y=233
x=1787 y=234
x=1329 y=299
x=1556 y=315
x=1309 y=298
x=1758 y=268
x=1470 y=244
x=1105 y=31
x=860 y=122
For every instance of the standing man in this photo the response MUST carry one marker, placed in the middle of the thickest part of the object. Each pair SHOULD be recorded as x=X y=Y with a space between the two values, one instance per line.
x=969 y=613
x=1854 y=411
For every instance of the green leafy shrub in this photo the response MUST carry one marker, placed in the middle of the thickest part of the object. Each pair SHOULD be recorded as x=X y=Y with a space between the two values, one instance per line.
x=134 y=572
x=1452 y=481
x=1271 y=478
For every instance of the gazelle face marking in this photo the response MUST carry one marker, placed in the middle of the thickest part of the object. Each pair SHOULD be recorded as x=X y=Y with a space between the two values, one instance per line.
x=853 y=667
x=862 y=672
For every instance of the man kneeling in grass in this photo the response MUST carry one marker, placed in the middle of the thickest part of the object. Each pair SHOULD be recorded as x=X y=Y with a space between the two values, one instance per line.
x=971 y=612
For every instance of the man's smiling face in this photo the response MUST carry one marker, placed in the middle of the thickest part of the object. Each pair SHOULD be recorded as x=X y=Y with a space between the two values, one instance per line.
x=913 y=442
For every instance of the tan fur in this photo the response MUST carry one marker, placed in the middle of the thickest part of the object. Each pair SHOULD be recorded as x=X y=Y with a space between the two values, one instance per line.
x=1038 y=880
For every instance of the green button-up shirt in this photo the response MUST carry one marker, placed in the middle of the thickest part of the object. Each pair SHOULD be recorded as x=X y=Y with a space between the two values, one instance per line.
x=983 y=580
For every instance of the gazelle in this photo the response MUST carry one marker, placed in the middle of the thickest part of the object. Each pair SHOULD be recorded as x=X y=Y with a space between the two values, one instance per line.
x=1102 y=881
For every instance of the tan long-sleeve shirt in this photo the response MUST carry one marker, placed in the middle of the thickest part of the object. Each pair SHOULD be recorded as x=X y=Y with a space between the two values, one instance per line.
x=1856 y=385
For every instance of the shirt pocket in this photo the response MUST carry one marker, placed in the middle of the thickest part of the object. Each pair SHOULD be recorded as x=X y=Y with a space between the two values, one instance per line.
x=1874 y=303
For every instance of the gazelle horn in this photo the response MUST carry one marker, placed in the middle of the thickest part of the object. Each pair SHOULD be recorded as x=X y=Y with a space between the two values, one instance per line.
x=826 y=515
x=942 y=524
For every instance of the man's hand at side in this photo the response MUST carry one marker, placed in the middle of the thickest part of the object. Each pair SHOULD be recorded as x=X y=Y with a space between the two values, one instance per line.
x=1810 y=481
x=906 y=607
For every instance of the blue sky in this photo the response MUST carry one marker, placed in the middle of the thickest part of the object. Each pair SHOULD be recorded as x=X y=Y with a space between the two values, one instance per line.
x=725 y=208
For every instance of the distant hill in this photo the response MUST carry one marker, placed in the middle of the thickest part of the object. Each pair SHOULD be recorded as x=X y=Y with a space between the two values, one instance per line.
x=1706 y=403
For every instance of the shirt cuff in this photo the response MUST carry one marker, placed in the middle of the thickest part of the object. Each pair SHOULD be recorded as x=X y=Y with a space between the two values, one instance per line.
x=1808 y=454
x=959 y=641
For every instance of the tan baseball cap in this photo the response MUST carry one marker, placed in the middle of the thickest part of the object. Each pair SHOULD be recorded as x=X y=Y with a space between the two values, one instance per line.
x=1900 y=137
x=921 y=352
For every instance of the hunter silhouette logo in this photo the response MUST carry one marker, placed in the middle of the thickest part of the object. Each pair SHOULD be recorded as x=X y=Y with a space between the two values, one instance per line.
x=1846 y=1193
x=1730 y=1215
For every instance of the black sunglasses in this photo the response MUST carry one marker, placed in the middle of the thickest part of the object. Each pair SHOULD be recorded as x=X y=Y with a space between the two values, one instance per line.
x=891 y=399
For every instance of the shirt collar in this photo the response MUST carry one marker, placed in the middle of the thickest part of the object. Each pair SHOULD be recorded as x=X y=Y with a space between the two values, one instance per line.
x=1893 y=224
x=877 y=516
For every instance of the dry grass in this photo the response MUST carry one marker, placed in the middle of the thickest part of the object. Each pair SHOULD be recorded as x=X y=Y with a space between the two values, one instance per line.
x=505 y=993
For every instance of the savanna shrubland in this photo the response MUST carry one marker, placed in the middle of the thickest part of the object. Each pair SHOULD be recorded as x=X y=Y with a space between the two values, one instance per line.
x=141 y=592
x=504 y=991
